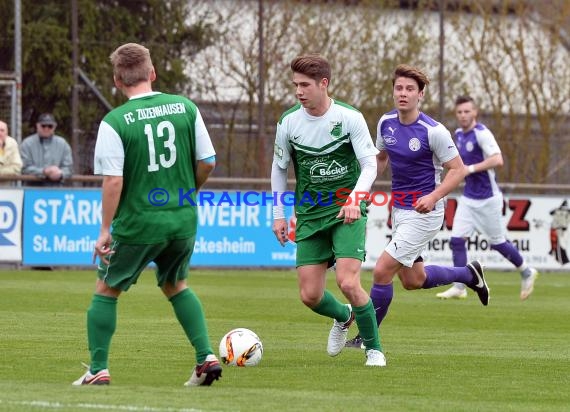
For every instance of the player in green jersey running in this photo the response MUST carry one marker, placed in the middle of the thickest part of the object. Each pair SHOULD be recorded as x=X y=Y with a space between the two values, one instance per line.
x=147 y=150
x=334 y=158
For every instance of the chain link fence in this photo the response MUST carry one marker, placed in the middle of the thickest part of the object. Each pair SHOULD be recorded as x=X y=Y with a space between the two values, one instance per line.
x=8 y=104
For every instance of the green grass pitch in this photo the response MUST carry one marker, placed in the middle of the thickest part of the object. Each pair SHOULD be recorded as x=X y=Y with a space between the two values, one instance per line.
x=442 y=355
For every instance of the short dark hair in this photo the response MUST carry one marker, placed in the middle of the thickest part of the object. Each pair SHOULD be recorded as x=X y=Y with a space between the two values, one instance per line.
x=314 y=66
x=464 y=99
x=404 y=70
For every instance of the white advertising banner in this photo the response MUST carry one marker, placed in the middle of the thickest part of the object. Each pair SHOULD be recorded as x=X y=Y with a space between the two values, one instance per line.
x=11 y=224
x=538 y=225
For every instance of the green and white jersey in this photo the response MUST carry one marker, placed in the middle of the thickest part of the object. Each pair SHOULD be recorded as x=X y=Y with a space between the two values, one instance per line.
x=325 y=152
x=154 y=141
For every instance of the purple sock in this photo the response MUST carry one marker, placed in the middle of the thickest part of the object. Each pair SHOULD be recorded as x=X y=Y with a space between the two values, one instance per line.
x=443 y=275
x=381 y=296
x=458 y=251
x=510 y=252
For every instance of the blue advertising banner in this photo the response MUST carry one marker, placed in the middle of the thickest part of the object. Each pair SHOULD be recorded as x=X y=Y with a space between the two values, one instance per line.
x=234 y=229
x=60 y=226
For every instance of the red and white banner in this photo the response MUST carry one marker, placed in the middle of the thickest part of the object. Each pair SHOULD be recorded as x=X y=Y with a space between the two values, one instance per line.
x=538 y=225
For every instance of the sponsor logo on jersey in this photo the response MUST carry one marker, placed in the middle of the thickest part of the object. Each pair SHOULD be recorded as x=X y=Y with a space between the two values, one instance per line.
x=389 y=140
x=327 y=171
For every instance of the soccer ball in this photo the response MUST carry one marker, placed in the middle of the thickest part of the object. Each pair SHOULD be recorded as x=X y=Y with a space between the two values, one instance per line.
x=241 y=347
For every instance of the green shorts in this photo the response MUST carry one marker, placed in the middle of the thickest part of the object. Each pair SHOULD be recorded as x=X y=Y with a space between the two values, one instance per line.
x=322 y=239
x=172 y=259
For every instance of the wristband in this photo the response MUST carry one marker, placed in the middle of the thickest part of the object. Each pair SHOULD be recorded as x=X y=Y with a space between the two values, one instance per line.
x=278 y=212
x=471 y=169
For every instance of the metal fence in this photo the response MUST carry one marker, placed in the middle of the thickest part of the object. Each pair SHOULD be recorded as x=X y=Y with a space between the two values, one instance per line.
x=264 y=184
x=8 y=103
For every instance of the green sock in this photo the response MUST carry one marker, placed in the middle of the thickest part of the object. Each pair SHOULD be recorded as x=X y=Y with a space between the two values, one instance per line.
x=190 y=314
x=366 y=320
x=101 y=324
x=331 y=307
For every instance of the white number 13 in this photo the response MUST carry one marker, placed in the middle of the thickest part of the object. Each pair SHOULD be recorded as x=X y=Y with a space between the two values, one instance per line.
x=167 y=159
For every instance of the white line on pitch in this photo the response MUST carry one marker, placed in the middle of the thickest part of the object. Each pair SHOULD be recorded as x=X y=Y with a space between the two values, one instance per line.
x=59 y=405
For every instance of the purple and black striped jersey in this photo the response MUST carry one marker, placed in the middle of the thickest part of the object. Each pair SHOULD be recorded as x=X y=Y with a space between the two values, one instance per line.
x=417 y=152
x=475 y=146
